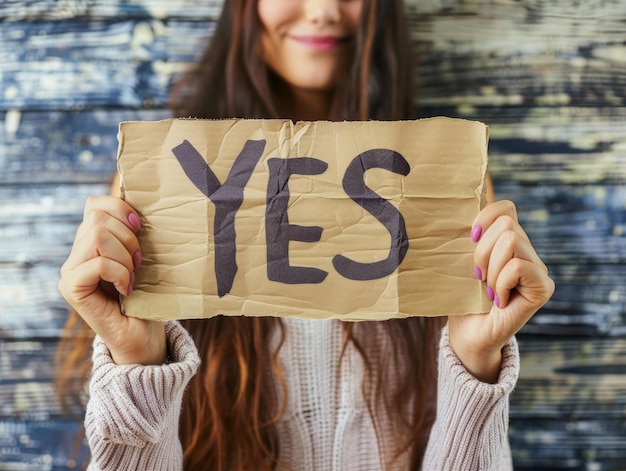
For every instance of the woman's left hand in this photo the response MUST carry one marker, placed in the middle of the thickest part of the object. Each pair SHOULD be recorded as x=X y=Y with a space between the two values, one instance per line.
x=516 y=280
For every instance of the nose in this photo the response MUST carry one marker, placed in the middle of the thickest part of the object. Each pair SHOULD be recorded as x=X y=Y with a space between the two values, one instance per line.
x=322 y=11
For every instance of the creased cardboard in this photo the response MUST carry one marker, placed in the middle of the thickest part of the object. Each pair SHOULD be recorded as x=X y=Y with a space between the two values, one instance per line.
x=353 y=220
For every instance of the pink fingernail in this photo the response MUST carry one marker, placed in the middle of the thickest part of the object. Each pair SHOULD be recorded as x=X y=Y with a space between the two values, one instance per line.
x=477 y=231
x=497 y=301
x=490 y=293
x=478 y=272
x=137 y=258
x=134 y=220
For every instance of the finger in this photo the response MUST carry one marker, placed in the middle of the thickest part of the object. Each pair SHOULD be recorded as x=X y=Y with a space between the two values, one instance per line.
x=108 y=237
x=493 y=210
x=81 y=286
x=107 y=243
x=103 y=226
x=499 y=211
x=503 y=239
x=104 y=243
x=509 y=245
x=503 y=224
x=523 y=283
x=115 y=207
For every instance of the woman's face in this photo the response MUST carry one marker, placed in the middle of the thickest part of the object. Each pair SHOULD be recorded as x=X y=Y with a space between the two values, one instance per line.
x=306 y=42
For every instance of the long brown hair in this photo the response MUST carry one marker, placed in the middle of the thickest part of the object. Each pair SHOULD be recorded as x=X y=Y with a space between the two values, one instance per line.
x=230 y=410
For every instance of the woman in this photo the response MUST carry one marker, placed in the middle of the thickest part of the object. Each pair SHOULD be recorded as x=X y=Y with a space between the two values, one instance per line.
x=267 y=393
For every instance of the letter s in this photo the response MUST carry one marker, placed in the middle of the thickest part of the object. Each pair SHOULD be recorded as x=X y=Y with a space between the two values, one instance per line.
x=354 y=186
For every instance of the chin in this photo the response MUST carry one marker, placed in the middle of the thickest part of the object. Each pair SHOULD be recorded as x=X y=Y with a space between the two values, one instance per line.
x=313 y=83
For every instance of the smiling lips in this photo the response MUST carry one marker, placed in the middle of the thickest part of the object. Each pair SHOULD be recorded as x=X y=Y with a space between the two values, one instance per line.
x=320 y=43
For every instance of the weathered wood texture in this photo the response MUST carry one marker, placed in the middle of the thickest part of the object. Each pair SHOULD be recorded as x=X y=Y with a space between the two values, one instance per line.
x=549 y=77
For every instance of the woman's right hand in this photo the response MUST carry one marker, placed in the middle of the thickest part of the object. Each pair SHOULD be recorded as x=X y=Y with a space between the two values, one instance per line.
x=101 y=265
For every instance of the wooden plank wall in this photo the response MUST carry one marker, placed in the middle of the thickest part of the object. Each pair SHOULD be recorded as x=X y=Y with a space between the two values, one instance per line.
x=549 y=77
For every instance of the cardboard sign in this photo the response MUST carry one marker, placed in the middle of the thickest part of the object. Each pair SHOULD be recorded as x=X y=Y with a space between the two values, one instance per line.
x=353 y=220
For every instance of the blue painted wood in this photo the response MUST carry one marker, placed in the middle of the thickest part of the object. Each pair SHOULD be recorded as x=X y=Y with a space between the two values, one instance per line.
x=29 y=10
x=75 y=64
x=58 y=146
x=35 y=433
x=568 y=411
x=41 y=445
x=37 y=227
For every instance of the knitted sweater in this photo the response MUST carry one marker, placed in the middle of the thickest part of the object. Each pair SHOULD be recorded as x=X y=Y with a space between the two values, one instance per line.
x=133 y=411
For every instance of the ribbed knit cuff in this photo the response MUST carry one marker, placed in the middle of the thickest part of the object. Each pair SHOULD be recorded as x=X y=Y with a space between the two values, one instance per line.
x=132 y=407
x=472 y=416
x=509 y=369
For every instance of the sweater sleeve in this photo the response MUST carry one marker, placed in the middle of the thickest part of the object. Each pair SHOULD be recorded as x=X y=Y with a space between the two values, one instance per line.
x=132 y=415
x=471 y=428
